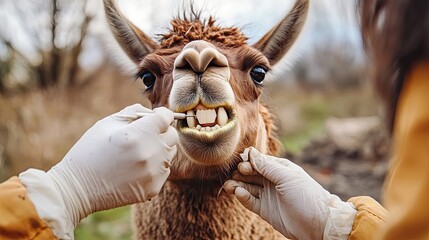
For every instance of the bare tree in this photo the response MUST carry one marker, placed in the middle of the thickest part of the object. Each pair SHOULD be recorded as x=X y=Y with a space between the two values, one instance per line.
x=52 y=32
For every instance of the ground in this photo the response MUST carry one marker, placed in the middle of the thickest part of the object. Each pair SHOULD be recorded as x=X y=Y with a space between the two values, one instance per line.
x=345 y=164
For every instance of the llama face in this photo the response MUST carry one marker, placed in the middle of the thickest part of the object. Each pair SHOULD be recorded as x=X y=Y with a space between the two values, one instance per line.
x=201 y=87
x=210 y=72
x=216 y=86
x=205 y=84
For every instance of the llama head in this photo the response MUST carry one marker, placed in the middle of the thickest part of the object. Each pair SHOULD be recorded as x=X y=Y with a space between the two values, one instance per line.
x=209 y=71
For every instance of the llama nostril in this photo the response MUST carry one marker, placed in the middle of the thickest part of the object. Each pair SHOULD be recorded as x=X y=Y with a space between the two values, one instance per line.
x=199 y=56
x=189 y=58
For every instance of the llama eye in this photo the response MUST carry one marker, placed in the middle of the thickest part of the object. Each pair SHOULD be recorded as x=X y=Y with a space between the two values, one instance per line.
x=148 y=79
x=257 y=74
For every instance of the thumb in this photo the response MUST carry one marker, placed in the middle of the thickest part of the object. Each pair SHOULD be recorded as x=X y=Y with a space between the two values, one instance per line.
x=159 y=120
x=247 y=200
x=268 y=166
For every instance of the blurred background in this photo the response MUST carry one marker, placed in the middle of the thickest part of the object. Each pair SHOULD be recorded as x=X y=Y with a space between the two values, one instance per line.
x=61 y=70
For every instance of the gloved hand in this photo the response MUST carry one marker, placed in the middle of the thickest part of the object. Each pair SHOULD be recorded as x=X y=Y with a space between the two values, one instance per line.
x=284 y=195
x=115 y=163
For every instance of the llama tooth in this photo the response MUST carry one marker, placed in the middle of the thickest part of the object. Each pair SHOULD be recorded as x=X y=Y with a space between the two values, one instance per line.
x=222 y=117
x=211 y=116
x=206 y=116
x=201 y=116
x=190 y=120
x=217 y=127
x=198 y=127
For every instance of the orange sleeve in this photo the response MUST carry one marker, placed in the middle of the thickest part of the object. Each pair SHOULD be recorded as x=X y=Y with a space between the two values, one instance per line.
x=18 y=216
x=406 y=193
x=369 y=218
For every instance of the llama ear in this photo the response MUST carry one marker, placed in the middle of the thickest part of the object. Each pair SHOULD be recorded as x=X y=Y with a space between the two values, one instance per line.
x=280 y=38
x=132 y=40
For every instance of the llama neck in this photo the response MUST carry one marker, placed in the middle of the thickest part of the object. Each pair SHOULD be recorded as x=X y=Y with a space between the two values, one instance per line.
x=192 y=210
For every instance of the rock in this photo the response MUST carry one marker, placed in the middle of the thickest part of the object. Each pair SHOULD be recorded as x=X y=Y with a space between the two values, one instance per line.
x=351 y=158
x=351 y=133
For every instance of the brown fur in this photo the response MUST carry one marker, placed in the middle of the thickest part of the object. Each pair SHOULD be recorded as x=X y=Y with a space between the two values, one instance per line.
x=246 y=92
x=273 y=44
x=192 y=210
x=274 y=145
x=183 y=32
x=188 y=206
x=198 y=213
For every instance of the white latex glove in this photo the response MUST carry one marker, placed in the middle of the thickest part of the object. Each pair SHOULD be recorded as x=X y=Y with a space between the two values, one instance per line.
x=115 y=163
x=284 y=195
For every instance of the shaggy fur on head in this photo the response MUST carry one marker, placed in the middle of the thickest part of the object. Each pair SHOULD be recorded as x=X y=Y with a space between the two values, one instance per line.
x=184 y=31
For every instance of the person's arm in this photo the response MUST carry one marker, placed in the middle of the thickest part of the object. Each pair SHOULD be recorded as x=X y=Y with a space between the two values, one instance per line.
x=285 y=196
x=116 y=162
x=370 y=218
x=407 y=187
x=18 y=216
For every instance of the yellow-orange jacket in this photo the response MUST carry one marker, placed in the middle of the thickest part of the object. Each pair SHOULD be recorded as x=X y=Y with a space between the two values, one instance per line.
x=406 y=193
x=18 y=216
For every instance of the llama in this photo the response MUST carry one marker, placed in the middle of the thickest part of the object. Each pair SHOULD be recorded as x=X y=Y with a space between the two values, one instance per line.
x=209 y=71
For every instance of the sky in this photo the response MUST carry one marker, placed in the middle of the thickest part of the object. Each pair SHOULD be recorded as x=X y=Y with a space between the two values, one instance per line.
x=329 y=21
x=256 y=17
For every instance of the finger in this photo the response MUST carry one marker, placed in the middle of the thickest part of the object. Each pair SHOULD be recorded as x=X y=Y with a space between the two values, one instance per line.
x=268 y=166
x=282 y=161
x=129 y=113
x=246 y=168
x=253 y=153
x=152 y=189
x=248 y=200
x=258 y=180
x=160 y=120
x=170 y=137
x=171 y=153
x=245 y=155
x=133 y=109
x=285 y=162
x=166 y=167
x=230 y=186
